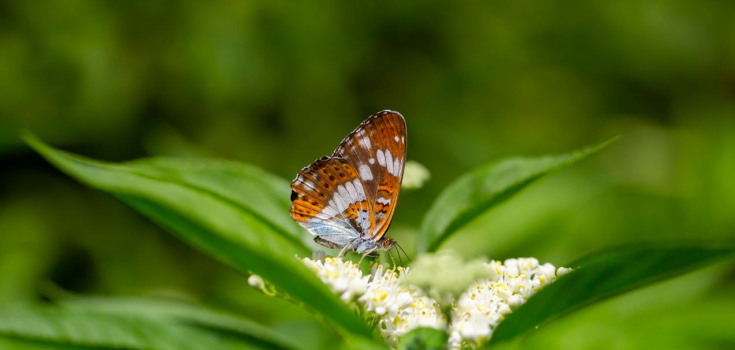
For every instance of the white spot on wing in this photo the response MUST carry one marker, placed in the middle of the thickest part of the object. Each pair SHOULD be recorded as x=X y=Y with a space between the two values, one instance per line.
x=403 y=139
x=329 y=210
x=360 y=189
x=334 y=203
x=365 y=172
x=389 y=161
x=383 y=201
x=309 y=184
x=340 y=203
x=352 y=191
x=371 y=160
x=381 y=157
x=365 y=142
x=322 y=216
x=396 y=138
x=345 y=196
x=397 y=167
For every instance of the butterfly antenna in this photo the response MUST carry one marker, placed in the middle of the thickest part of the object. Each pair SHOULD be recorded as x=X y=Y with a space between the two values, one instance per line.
x=398 y=252
x=404 y=252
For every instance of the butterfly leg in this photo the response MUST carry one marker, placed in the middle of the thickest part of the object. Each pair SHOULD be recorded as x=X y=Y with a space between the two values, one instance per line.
x=366 y=254
x=375 y=262
x=341 y=252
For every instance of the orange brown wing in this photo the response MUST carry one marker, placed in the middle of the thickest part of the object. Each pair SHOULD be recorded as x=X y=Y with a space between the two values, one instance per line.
x=328 y=199
x=377 y=150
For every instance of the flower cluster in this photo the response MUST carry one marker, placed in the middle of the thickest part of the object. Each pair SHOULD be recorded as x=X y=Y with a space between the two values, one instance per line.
x=395 y=306
x=343 y=277
x=399 y=307
x=487 y=301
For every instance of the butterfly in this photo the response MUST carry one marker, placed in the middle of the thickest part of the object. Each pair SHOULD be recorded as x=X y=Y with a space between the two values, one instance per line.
x=347 y=200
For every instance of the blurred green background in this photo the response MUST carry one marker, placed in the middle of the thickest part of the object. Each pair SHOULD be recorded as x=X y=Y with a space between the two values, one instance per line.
x=277 y=84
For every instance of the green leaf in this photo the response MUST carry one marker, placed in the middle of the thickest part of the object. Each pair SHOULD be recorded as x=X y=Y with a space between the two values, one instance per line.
x=480 y=190
x=359 y=344
x=603 y=275
x=193 y=202
x=65 y=327
x=12 y=342
x=181 y=312
x=258 y=192
x=424 y=339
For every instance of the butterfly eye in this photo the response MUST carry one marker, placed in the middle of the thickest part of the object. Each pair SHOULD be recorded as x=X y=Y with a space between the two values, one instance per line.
x=294 y=195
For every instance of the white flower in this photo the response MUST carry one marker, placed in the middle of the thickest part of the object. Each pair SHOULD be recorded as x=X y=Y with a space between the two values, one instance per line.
x=548 y=271
x=485 y=303
x=384 y=294
x=515 y=301
x=398 y=307
x=256 y=282
x=343 y=277
x=414 y=175
x=422 y=312
x=562 y=271
x=477 y=312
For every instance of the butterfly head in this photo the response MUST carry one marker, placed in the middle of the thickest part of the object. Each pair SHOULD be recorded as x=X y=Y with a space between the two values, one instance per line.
x=386 y=243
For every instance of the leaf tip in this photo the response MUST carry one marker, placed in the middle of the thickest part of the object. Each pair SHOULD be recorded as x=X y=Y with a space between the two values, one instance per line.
x=33 y=141
x=606 y=143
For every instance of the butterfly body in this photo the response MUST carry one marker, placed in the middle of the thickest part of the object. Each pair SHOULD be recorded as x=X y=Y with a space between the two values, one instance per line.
x=347 y=200
x=359 y=245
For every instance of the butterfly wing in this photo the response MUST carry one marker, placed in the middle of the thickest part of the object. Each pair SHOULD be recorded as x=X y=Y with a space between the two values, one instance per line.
x=328 y=200
x=377 y=150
